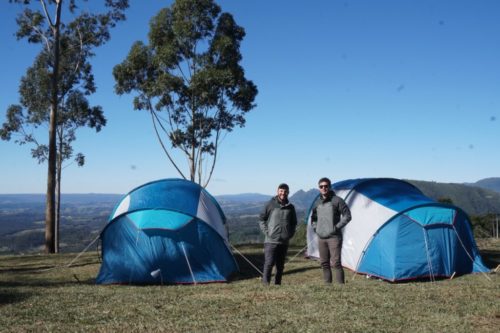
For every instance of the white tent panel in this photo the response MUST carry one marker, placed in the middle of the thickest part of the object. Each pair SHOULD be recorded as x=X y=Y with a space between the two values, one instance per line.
x=208 y=212
x=122 y=207
x=368 y=218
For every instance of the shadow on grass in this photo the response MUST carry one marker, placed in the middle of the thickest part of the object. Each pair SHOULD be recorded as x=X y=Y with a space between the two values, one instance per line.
x=72 y=281
x=300 y=270
x=247 y=270
x=42 y=268
x=11 y=297
x=9 y=294
x=247 y=263
x=491 y=258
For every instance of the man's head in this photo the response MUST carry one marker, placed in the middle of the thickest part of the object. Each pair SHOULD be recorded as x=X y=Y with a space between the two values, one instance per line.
x=283 y=191
x=324 y=185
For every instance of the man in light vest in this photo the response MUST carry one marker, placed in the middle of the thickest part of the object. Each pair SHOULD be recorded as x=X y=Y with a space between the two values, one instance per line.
x=329 y=215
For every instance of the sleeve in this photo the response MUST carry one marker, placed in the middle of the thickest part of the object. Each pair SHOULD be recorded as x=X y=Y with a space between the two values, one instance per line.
x=345 y=214
x=314 y=218
x=293 y=222
x=263 y=217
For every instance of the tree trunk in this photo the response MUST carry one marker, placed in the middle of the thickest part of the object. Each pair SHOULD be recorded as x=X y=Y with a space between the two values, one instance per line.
x=50 y=198
x=50 y=211
x=51 y=186
x=58 y=198
x=192 y=168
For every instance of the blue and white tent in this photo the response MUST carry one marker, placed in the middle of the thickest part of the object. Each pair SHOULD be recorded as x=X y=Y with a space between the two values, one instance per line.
x=397 y=233
x=167 y=231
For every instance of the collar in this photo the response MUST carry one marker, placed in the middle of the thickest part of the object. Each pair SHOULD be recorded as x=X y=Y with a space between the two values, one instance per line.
x=329 y=196
x=285 y=203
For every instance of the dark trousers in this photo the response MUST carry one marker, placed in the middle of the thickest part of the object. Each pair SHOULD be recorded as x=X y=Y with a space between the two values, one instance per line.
x=329 y=251
x=274 y=254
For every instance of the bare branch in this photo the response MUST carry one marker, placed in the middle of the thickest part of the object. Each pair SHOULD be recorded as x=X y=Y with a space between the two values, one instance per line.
x=217 y=135
x=40 y=33
x=184 y=77
x=81 y=49
x=158 y=119
x=47 y=16
x=163 y=146
x=154 y=118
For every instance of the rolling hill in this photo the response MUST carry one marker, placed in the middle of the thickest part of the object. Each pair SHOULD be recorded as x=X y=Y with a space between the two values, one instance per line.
x=488 y=183
x=84 y=215
x=472 y=199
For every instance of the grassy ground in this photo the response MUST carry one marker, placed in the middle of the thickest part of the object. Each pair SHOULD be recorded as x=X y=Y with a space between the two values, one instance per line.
x=34 y=297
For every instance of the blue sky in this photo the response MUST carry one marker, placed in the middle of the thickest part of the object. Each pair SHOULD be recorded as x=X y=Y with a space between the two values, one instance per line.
x=347 y=89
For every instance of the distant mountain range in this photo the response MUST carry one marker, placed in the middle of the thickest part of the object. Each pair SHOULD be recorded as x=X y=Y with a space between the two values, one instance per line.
x=488 y=183
x=84 y=215
x=476 y=198
x=85 y=198
x=243 y=197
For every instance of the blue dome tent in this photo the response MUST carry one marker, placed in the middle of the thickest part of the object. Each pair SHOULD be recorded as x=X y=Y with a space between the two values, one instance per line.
x=170 y=231
x=397 y=233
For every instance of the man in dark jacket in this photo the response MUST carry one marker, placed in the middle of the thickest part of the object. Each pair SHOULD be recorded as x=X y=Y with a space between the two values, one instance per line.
x=277 y=221
x=329 y=215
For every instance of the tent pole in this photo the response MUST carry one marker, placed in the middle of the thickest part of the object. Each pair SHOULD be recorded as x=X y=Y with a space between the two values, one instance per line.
x=428 y=257
x=189 y=265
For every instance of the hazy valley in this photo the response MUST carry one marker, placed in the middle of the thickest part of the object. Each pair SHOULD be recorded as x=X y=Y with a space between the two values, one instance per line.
x=83 y=216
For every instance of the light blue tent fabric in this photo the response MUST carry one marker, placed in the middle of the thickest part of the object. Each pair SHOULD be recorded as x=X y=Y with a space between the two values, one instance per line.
x=397 y=233
x=164 y=232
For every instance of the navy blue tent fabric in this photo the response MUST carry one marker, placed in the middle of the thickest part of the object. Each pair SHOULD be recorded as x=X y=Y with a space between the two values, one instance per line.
x=397 y=233
x=168 y=231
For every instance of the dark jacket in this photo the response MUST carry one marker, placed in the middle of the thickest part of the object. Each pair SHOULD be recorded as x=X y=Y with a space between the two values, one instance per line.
x=278 y=221
x=329 y=216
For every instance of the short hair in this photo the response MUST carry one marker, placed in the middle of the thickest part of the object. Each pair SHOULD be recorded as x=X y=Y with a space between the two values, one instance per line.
x=324 y=179
x=283 y=186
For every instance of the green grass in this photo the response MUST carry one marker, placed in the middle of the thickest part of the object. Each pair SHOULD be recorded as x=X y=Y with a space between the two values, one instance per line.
x=34 y=297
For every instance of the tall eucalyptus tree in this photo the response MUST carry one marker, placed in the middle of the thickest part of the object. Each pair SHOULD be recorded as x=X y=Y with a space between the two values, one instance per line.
x=55 y=87
x=190 y=81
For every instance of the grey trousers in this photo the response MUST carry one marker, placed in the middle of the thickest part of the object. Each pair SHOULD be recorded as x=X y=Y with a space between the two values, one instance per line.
x=329 y=251
x=274 y=254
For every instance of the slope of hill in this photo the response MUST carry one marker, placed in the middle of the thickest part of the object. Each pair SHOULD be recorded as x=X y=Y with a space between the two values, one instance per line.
x=244 y=197
x=22 y=220
x=473 y=200
x=488 y=183
x=84 y=215
x=302 y=199
x=21 y=200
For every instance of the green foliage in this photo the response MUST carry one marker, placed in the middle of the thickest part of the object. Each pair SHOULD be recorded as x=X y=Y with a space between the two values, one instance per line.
x=28 y=287
x=75 y=80
x=484 y=225
x=54 y=89
x=189 y=79
x=445 y=200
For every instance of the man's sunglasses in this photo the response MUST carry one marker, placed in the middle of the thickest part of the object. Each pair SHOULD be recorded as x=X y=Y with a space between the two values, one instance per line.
x=324 y=186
